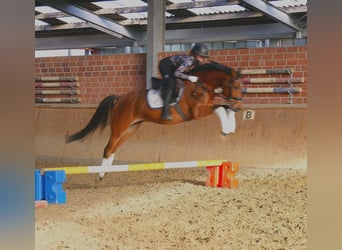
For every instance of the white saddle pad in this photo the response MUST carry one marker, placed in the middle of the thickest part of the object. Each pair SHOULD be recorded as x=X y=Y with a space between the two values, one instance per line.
x=155 y=101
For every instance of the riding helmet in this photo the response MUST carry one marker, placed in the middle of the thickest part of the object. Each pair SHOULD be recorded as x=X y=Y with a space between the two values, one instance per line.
x=200 y=49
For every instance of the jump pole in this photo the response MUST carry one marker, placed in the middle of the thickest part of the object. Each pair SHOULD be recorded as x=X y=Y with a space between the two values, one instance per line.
x=135 y=167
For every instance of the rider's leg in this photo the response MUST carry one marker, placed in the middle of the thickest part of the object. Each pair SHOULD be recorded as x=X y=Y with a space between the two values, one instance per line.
x=167 y=94
x=167 y=70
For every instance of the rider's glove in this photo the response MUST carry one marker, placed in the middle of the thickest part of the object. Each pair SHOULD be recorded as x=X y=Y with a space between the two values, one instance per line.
x=193 y=78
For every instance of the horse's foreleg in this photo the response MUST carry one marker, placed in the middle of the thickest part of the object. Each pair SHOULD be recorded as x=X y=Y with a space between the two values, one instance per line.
x=196 y=109
x=201 y=107
x=196 y=112
x=227 y=118
x=231 y=118
x=202 y=110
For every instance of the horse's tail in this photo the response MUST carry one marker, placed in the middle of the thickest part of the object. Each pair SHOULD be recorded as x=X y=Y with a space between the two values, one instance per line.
x=99 y=119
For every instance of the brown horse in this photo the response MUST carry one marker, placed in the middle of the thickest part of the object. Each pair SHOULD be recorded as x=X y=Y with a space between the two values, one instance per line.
x=128 y=111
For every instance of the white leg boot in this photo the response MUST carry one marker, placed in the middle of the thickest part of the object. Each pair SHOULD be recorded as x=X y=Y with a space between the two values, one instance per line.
x=106 y=162
x=231 y=119
x=227 y=118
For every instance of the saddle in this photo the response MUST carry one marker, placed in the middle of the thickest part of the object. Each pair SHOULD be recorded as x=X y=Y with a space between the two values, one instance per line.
x=154 y=99
x=157 y=82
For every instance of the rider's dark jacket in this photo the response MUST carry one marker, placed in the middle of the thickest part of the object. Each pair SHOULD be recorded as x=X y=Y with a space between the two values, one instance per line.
x=183 y=64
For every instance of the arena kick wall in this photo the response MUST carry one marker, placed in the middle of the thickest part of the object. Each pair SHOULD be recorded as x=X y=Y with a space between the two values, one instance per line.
x=276 y=137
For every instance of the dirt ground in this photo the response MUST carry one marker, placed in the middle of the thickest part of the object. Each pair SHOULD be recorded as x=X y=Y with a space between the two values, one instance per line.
x=172 y=209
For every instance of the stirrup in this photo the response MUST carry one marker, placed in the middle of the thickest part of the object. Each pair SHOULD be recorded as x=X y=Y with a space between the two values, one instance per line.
x=166 y=115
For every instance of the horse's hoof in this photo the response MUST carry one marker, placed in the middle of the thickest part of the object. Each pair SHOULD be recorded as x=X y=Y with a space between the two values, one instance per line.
x=226 y=134
x=101 y=175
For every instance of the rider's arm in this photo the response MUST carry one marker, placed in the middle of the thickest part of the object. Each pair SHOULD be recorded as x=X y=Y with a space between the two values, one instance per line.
x=184 y=68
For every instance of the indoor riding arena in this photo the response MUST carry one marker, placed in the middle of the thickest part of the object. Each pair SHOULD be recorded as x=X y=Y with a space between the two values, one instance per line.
x=174 y=208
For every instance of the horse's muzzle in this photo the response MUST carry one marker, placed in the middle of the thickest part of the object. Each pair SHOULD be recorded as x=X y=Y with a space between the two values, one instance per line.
x=235 y=104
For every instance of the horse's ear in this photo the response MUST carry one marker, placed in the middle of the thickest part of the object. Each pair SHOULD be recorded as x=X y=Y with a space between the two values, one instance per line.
x=238 y=73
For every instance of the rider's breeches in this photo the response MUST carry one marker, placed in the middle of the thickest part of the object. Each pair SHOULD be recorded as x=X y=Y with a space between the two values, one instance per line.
x=167 y=70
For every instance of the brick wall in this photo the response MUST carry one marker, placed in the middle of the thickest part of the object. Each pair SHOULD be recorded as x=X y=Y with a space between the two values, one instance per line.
x=102 y=75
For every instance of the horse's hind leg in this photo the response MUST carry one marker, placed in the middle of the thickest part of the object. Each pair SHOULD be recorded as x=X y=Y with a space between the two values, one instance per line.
x=116 y=140
x=106 y=162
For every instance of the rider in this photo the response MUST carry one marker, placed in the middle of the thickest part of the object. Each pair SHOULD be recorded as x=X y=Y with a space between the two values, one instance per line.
x=177 y=66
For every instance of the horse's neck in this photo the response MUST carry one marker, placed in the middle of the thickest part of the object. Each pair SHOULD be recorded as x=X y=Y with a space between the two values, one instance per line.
x=198 y=87
x=210 y=81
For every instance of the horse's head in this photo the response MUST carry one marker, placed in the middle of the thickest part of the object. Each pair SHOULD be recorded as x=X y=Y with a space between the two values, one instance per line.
x=224 y=81
x=232 y=90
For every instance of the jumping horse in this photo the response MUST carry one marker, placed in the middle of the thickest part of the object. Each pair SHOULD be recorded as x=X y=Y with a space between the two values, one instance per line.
x=127 y=112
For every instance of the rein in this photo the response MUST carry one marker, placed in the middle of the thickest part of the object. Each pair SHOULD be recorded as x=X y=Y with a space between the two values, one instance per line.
x=214 y=91
x=202 y=85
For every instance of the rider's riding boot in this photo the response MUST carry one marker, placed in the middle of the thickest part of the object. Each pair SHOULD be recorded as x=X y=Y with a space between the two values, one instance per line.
x=166 y=109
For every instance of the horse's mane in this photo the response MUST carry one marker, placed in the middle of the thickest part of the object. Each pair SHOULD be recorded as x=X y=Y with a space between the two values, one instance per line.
x=212 y=65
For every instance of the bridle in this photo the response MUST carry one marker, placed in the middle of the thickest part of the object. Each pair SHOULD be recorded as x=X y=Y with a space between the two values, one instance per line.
x=219 y=91
x=231 y=86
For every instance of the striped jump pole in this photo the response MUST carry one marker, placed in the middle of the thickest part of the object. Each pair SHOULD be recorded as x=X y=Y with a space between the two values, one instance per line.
x=265 y=71
x=57 y=92
x=58 y=100
x=134 y=167
x=56 y=84
x=48 y=181
x=56 y=78
x=272 y=80
x=272 y=90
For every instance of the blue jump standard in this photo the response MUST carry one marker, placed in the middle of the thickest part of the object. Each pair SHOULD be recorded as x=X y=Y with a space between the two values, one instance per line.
x=49 y=186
